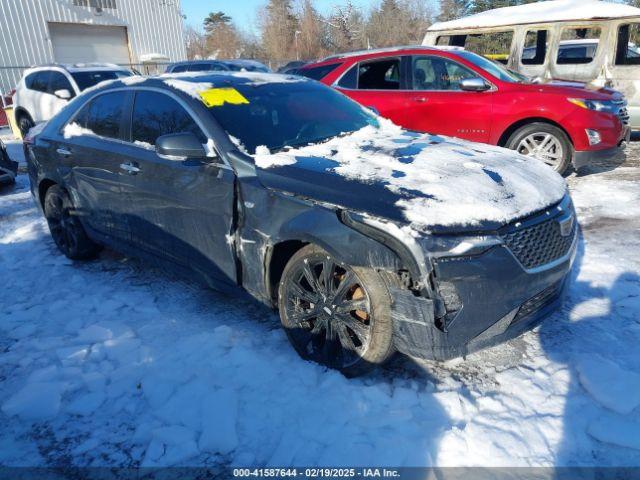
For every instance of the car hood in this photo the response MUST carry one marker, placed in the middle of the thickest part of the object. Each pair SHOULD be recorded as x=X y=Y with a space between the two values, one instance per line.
x=433 y=183
x=576 y=89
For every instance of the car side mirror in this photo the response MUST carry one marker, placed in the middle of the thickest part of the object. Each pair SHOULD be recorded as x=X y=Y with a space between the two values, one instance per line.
x=474 y=85
x=180 y=146
x=63 y=94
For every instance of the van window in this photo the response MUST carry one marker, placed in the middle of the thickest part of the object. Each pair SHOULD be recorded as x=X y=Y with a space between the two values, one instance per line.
x=379 y=75
x=535 y=47
x=628 y=52
x=451 y=40
x=578 y=45
x=495 y=45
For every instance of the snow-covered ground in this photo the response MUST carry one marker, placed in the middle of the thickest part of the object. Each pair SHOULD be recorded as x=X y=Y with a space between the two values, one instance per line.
x=112 y=363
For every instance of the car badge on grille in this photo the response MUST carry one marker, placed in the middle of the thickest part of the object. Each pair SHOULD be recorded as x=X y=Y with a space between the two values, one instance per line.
x=566 y=226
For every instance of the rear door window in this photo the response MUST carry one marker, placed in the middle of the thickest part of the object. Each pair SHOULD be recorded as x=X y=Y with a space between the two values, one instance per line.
x=535 y=47
x=103 y=115
x=350 y=79
x=38 y=81
x=628 y=51
x=578 y=45
x=89 y=79
x=58 y=81
x=381 y=74
x=156 y=114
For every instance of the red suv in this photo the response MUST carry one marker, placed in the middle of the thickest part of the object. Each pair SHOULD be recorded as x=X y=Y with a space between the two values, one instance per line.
x=461 y=94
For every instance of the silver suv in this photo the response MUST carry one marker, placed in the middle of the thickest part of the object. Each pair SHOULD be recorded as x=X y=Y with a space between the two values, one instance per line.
x=43 y=91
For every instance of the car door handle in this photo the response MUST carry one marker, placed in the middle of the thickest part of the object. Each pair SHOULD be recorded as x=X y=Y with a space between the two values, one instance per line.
x=130 y=168
x=421 y=99
x=64 y=152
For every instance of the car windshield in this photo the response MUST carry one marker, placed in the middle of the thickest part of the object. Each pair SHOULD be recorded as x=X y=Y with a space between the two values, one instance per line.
x=89 y=79
x=291 y=114
x=497 y=70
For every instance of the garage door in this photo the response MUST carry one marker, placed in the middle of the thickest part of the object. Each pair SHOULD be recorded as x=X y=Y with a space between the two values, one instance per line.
x=74 y=43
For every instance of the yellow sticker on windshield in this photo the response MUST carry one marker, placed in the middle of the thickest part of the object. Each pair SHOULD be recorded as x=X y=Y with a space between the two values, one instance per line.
x=216 y=97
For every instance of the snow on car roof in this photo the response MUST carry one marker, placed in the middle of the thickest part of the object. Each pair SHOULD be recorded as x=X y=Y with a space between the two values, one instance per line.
x=541 y=12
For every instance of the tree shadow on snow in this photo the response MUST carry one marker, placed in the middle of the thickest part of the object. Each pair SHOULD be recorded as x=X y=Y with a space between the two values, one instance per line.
x=586 y=337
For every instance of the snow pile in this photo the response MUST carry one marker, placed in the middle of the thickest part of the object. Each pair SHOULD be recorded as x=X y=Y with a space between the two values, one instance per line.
x=541 y=12
x=133 y=80
x=439 y=180
x=74 y=130
x=112 y=363
x=260 y=78
x=265 y=159
x=193 y=89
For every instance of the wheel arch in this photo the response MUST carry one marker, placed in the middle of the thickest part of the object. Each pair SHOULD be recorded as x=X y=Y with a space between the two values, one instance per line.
x=44 y=185
x=20 y=111
x=342 y=242
x=504 y=138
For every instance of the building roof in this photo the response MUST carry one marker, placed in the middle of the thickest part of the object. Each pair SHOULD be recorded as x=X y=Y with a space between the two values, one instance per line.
x=541 y=12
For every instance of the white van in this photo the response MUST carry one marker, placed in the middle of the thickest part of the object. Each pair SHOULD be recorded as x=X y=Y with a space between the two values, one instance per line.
x=588 y=41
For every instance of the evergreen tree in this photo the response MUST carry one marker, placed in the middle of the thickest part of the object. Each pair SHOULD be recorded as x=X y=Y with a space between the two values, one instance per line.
x=452 y=9
x=215 y=19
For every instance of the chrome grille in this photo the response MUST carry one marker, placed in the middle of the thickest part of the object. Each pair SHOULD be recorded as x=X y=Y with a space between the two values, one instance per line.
x=623 y=112
x=539 y=244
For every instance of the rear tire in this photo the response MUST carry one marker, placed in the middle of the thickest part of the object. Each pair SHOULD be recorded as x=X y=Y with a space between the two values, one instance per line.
x=25 y=123
x=65 y=227
x=334 y=314
x=545 y=142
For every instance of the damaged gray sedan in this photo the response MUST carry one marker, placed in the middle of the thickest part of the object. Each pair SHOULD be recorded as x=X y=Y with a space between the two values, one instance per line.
x=367 y=238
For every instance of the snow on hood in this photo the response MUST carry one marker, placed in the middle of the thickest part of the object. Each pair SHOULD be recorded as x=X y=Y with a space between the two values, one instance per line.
x=541 y=12
x=432 y=181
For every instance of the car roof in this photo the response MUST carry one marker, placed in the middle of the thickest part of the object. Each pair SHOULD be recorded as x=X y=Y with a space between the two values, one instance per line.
x=359 y=54
x=190 y=62
x=211 y=79
x=79 y=67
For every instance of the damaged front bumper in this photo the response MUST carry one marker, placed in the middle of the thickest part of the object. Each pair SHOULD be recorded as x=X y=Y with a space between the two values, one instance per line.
x=492 y=296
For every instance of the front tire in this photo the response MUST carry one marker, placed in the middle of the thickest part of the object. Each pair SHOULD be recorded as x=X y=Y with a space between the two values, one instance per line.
x=335 y=315
x=65 y=227
x=545 y=142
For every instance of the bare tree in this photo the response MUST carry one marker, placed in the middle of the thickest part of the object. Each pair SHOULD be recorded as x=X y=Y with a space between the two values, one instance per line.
x=346 y=28
x=311 y=34
x=196 y=44
x=224 y=42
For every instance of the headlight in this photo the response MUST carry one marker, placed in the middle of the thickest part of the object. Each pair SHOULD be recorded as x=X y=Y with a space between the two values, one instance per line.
x=595 y=105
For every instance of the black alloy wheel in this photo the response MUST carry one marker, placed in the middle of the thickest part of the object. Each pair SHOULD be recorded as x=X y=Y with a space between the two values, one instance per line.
x=65 y=227
x=335 y=315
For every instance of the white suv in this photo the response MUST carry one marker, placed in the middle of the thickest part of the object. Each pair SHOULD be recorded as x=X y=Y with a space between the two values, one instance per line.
x=43 y=91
